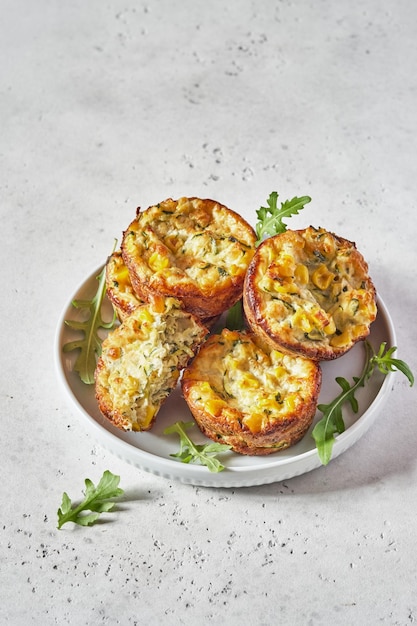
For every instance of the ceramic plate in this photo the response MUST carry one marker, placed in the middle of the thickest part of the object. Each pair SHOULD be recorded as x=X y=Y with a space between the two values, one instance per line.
x=151 y=451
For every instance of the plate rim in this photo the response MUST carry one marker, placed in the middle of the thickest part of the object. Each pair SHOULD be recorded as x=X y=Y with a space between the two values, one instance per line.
x=230 y=477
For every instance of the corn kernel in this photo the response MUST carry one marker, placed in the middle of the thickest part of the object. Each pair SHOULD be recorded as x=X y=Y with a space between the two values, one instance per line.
x=158 y=303
x=150 y=412
x=249 y=381
x=301 y=274
x=285 y=287
x=158 y=261
x=321 y=277
x=122 y=275
x=358 y=331
x=330 y=328
x=280 y=371
x=290 y=402
x=276 y=355
x=254 y=422
x=286 y=265
x=144 y=315
x=214 y=406
x=338 y=341
x=301 y=320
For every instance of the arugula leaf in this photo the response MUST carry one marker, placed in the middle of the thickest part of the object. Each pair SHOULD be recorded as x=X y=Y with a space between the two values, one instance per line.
x=332 y=421
x=189 y=452
x=90 y=345
x=234 y=318
x=96 y=500
x=270 y=217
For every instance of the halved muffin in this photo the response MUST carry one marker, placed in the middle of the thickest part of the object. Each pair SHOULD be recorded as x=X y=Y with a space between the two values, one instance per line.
x=308 y=292
x=119 y=286
x=141 y=362
x=256 y=399
x=195 y=250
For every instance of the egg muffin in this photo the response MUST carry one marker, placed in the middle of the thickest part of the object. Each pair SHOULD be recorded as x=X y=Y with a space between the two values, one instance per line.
x=308 y=292
x=119 y=288
x=141 y=361
x=195 y=250
x=121 y=294
x=252 y=397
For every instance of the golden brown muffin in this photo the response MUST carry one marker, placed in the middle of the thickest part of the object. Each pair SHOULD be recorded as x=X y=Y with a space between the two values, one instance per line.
x=195 y=250
x=119 y=286
x=308 y=292
x=243 y=393
x=141 y=362
x=121 y=294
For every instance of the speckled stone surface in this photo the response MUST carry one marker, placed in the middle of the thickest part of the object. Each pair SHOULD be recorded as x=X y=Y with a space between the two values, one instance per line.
x=106 y=106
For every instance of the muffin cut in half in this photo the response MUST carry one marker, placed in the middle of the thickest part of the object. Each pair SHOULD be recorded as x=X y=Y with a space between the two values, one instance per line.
x=256 y=399
x=119 y=288
x=141 y=362
x=308 y=292
x=195 y=250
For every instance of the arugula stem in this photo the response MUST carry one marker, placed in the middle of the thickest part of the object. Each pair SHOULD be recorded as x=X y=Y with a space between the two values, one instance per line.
x=332 y=421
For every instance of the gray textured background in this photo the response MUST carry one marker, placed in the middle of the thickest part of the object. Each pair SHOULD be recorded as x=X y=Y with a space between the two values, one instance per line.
x=106 y=106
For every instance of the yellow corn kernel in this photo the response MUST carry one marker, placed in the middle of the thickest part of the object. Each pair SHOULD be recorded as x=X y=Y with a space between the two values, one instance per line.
x=144 y=315
x=122 y=275
x=276 y=355
x=203 y=388
x=358 y=331
x=266 y=284
x=339 y=341
x=249 y=381
x=158 y=303
x=322 y=277
x=269 y=406
x=233 y=270
x=158 y=261
x=254 y=422
x=286 y=265
x=214 y=406
x=284 y=287
x=231 y=335
x=280 y=371
x=301 y=274
x=301 y=320
x=330 y=328
x=150 y=412
x=290 y=402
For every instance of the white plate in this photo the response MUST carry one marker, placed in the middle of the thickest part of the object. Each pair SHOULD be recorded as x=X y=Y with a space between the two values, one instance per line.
x=151 y=451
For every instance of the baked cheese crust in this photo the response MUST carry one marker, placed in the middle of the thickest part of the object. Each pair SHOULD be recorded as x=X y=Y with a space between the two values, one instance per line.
x=119 y=288
x=141 y=361
x=256 y=399
x=309 y=292
x=192 y=249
